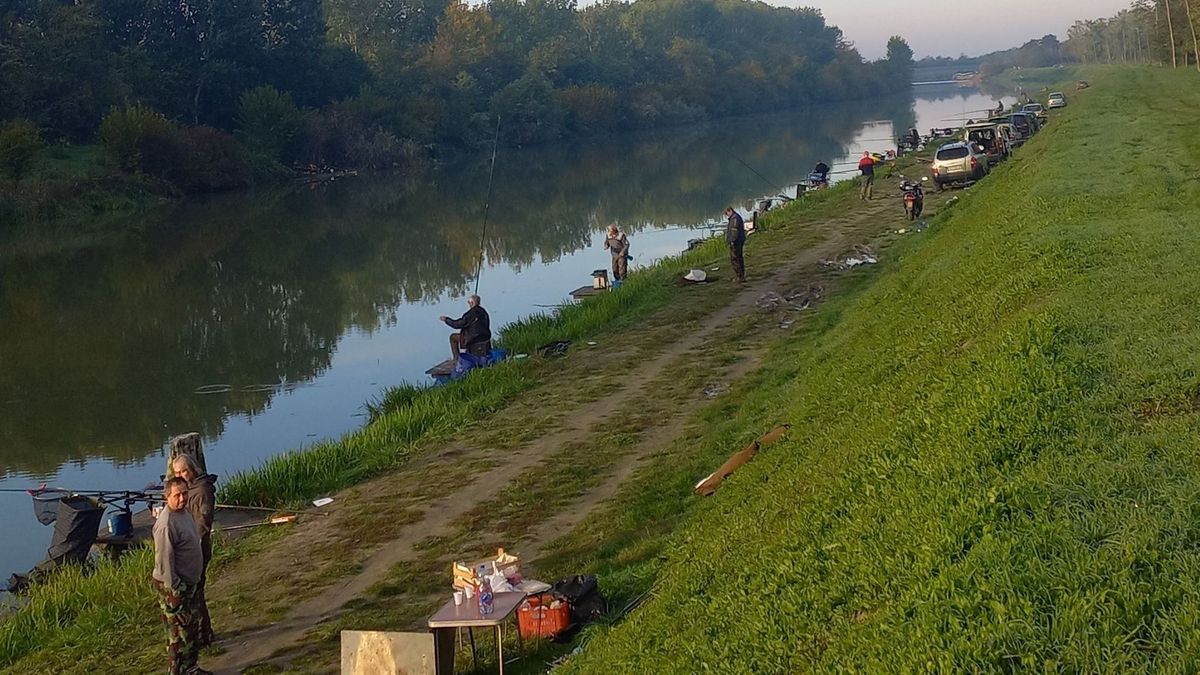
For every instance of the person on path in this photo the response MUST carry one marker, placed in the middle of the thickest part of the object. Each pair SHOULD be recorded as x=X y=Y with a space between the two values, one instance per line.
x=867 y=166
x=616 y=243
x=475 y=330
x=178 y=565
x=201 y=502
x=735 y=238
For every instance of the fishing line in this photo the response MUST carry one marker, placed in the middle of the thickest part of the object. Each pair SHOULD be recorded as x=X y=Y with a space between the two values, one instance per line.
x=487 y=206
x=766 y=180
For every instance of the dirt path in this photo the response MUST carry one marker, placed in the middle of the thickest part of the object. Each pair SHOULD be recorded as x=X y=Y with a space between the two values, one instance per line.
x=503 y=466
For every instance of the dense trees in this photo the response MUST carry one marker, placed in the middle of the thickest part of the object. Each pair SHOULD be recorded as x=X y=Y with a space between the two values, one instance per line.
x=357 y=83
x=1150 y=31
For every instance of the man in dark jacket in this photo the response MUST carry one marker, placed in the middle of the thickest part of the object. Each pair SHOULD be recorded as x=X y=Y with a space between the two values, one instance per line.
x=475 y=330
x=867 y=166
x=201 y=502
x=735 y=238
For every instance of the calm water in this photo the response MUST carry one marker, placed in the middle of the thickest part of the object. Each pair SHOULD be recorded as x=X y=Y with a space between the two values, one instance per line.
x=298 y=306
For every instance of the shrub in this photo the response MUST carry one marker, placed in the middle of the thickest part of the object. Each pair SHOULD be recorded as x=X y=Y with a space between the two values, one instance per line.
x=380 y=149
x=268 y=122
x=530 y=111
x=212 y=161
x=127 y=133
x=592 y=108
x=20 y=145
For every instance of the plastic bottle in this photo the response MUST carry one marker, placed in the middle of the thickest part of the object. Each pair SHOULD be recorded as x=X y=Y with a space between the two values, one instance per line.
x=485 y=592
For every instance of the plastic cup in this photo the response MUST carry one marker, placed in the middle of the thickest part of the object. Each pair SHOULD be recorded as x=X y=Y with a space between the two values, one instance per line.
x=469 y=592
x=458 y=597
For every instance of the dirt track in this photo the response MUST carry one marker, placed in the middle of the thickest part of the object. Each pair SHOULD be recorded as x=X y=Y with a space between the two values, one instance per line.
x=376 y=527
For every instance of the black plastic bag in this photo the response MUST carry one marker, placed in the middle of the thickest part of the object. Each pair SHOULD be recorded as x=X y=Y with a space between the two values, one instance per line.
x=583 y=595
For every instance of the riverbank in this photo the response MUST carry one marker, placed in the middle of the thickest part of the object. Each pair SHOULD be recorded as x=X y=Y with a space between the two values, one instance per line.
x=992 y=458
x=541 y=423
x=66 y=184
x=991 y=439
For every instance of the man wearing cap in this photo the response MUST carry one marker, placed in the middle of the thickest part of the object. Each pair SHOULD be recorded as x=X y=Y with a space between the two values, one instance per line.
x=735 y=238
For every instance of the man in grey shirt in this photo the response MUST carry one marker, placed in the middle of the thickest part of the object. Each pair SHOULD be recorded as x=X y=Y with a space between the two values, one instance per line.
x=178 y=565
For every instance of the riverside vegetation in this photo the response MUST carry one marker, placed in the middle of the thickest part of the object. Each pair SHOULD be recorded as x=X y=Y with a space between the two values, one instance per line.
x=991 y=463
x=189 y=98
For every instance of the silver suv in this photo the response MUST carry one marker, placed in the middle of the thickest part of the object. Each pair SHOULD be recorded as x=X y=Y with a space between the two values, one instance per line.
x=958 y=163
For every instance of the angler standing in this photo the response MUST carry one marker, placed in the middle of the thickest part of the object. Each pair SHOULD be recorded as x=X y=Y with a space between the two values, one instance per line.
x=178 y=564
x=618 y=245
x=867 y=166
x=735 y=238
x=201 y=502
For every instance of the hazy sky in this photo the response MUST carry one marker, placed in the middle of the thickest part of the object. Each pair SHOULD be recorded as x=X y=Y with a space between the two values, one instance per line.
x=951 y=27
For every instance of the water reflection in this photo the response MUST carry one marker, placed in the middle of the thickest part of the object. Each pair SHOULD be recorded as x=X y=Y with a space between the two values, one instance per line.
x=105 y=343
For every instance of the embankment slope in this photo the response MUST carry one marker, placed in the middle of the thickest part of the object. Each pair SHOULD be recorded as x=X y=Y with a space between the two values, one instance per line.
x=994 y=458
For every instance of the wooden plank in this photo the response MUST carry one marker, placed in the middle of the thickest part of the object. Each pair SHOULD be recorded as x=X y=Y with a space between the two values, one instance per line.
x=443 y=369
x=586 y=292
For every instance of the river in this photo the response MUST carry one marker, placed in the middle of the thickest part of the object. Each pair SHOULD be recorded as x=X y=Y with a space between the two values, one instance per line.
x=266 y=320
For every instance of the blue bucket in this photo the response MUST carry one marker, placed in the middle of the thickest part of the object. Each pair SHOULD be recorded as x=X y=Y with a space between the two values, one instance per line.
x=120 y=524
x=498 y=355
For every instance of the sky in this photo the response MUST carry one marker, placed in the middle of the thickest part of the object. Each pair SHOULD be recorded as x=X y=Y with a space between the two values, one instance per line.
x=953 y=27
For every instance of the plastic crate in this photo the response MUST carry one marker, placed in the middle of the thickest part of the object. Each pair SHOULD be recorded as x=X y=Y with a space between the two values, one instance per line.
x=538 y=620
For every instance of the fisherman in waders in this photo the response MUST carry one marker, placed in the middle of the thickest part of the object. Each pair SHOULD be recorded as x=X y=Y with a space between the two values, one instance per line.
x=616 y=243
x=475 y=330
x=735 y=238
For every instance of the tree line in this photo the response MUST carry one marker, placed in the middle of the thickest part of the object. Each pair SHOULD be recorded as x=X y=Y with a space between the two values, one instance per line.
x=1150 y=31
x=208 y=93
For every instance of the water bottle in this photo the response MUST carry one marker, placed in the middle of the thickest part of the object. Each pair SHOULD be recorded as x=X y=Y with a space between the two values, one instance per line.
x=485 y=592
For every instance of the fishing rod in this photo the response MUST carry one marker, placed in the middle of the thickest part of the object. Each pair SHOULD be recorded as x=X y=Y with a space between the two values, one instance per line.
x=92 y=493
x=487 y=206
x=765 y=179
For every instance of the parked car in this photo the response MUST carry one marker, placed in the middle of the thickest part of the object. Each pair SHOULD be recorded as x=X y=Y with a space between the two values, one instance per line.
x=958 y=162
x=992 y=138
x=1056 y=100
x=1025 y=123
x=1082 y=84
x=1024 y=126
x=1038 y=110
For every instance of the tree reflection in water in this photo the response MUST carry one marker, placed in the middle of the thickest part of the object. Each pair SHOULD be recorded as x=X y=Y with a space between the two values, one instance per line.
x=106 y=340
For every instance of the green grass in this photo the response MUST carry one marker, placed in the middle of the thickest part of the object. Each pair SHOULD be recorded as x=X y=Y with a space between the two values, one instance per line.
x=993 y=463
x=113 y=618
x=1032 y=80
x=408 y=415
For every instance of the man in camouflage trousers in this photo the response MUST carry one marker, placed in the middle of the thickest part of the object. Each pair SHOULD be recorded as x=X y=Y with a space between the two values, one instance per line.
x=178 y=564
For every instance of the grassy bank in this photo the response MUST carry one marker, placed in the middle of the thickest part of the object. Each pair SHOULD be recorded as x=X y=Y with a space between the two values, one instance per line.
x=1033 y=80
x=993 y=458
x=76 y=183
x=77 y=622
x=407 y=416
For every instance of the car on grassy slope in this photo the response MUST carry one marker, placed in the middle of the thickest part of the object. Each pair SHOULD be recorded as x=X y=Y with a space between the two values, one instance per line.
x=958 y=162
x=1057 y=99
x=993 y=139
x=1036 y=109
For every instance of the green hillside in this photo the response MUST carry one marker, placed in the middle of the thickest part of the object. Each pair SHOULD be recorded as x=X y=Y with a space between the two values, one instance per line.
x=994 y=462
